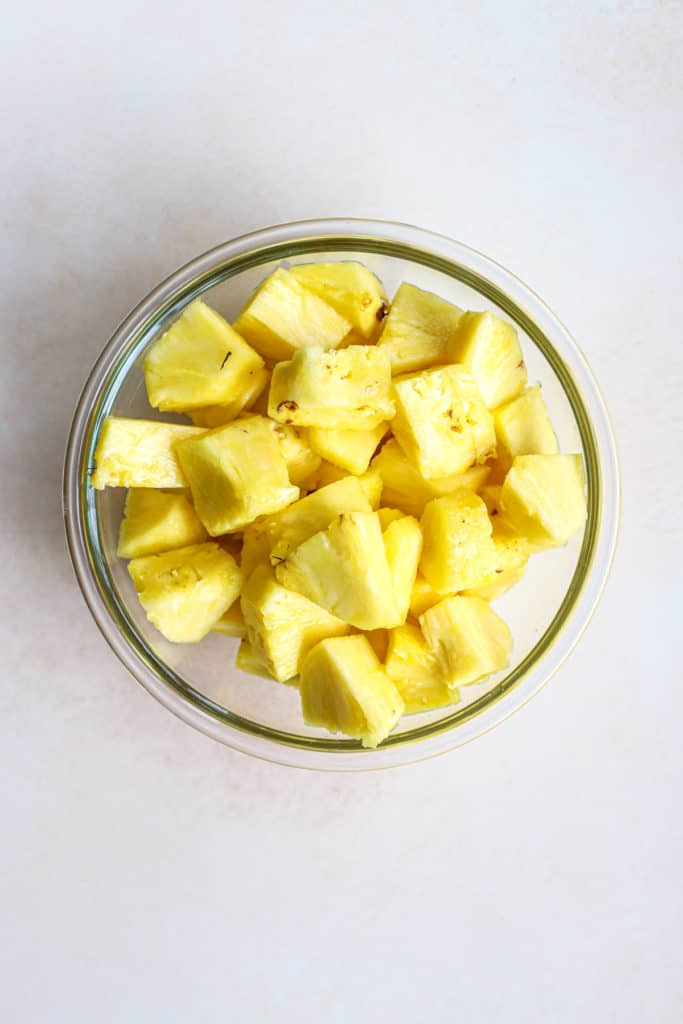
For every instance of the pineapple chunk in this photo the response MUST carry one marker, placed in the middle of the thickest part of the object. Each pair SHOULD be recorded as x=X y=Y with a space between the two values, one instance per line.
x=543 y=498
x=511 y=557
x=345 y=689
x=523 y=426
x=418 y=330
x=403 y=545
x=139 y=453
x=423 y=596
x=283 y=626
x=232 y=622
x=351 y=289
x=185 y=592
x=441 y=421
x=301 y=459
x=389 y=515
x=371 y=482
x=155 y=521
x=415 y=670
x=211 y=416
x=316 y=388
x=345 y=570
x=378 y=639
x=469 y=640
x=200 y=360
x=349 y=449
x=248 y=660
x=313 y=513
x=256 y=545
x=458 y=549
x=236 y=473
x=283 y=316
x=406 y=488
x=490 y=349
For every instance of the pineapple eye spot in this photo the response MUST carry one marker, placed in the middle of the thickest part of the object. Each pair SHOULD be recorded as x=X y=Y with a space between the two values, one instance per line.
x=289 y=405
x=227 y=356
x=382 y=313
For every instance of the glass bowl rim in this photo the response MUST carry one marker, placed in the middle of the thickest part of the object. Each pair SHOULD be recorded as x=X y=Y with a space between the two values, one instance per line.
x=399 y=241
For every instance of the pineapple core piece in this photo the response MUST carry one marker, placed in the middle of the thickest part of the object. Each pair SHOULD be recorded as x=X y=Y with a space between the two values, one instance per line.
x=345 y=570
x=231 y=623
x=490 y=349
x=349 y=449
x=345 y=689
x=523 y=426
x=139 y=453
x=155 y=521
x=441 y=421
x=200 y=360
x=348 y=388
x=185 y=592
x=211 y=416
x=283 y=316
x=510 y=562
x=350 y=288
x=236 y=473
x=403 y=546
x=458 y=550
x=414 y=668
x=543 y=498
x=418 y=330
x=469 y=640
x=405 y=488
x=282 y=626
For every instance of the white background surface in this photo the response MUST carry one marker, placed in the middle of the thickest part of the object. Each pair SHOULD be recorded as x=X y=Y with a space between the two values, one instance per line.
x=148 y=874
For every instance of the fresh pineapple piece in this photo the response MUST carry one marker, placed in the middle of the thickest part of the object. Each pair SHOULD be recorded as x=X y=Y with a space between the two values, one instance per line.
x=302 y=461
x=349 y=449
x=315 y=512
x=469 y=640
x=256 y=545
x=490 y=349
x=283 y=316
x=200 y=360
x=511 y=557
x=379 y=640
x=418 y=330
x=317 y=388
x=351 y=289
x=282 y=626
x=403 y=546
x=248 y=660
x=414 y=668
x=389 y=515
x=231 y=623
x=406 y=488
x=345 y=570
x=345 y=689
x=139 y=453
x=543 y=498
x=441 y=421
x=155 y=521
x=236 y=473
x=371 y=482
x=458 y=550
x=211 y=416
x=523 y=426
x=423 y=596
x=186 y=591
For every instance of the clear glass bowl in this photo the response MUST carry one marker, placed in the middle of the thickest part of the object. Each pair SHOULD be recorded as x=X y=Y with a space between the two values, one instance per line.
x=547 y=611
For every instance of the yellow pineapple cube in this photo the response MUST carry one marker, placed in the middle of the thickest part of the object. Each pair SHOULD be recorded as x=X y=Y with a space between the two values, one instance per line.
x=345 y=689
x=423 y=596
x=414 y=668
x=469 y=640
x=315 y=512
x=490 y=349
x=139 y=453
x=250 y=661
x=349 y=449
x=458 y=551
x=200 y=360
x=282 y=626
x=256 y=545
x=404 y=486
x=523 y=426
x=403 y=546
x=155 y=521
x=318 y=388
x=389 y=515
x=302 y=461
x=441 y=421
x=510 y=562
x=283 y=316
x=186 y=591
x=543 y=498
x=231 y=623
x=236 y=473
x=345 y=570
x=418 y=330
x=351 y=289
x=211 y=416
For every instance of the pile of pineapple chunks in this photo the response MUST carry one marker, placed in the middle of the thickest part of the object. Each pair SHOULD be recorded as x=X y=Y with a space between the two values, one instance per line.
x=357 y=483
